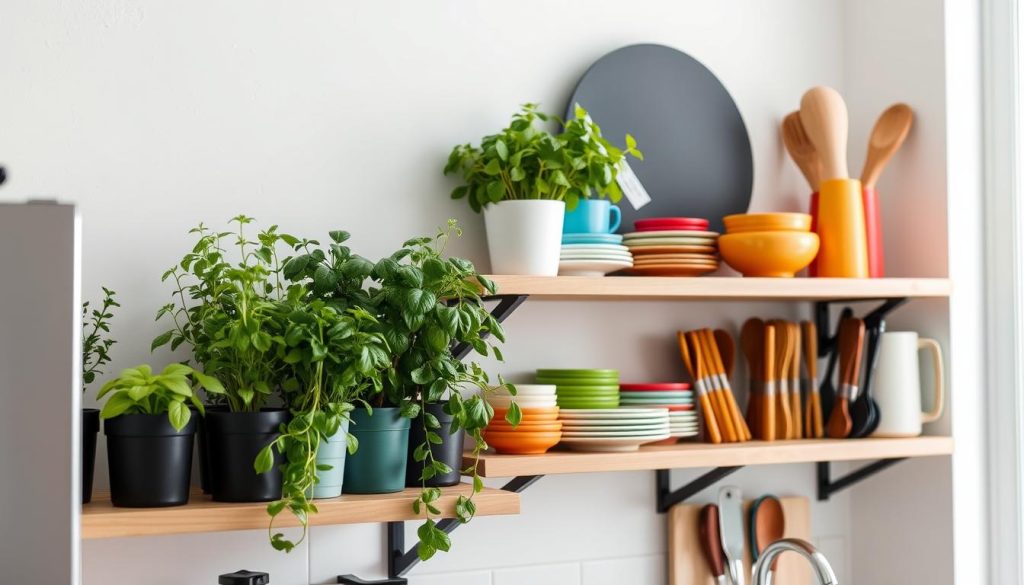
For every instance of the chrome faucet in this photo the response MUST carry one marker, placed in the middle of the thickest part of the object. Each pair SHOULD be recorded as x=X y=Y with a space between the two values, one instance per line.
x=763 y=568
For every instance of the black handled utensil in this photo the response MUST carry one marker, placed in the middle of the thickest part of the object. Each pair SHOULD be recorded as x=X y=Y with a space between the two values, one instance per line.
x=828 y=385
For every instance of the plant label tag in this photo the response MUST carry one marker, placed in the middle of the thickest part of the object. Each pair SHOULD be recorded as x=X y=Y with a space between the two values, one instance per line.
x=631 y=186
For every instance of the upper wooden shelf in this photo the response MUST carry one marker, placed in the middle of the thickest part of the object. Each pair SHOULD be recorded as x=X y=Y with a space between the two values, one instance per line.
x=689 y=455
x=101 y=520
x=719 y=288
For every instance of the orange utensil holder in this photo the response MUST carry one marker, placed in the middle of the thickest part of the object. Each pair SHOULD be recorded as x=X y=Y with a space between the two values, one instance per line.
x=841 y=229
x=873 y=232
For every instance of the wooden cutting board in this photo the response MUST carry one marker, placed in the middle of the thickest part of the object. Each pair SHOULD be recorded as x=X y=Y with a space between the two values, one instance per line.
x=686 y=564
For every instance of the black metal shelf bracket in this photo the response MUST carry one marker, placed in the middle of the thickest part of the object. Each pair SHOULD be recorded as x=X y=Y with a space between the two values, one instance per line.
x=401 y=561
x=507 y=304
x=827 y=486
x=667 y=497
x=823 y=320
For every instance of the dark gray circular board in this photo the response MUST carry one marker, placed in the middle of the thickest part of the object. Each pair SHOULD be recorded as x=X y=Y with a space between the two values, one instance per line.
x=697 y=156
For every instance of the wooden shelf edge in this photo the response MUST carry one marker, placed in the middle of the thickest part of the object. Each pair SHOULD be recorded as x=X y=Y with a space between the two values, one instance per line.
x=101 y=520
x=691 y=455
x=719 y=288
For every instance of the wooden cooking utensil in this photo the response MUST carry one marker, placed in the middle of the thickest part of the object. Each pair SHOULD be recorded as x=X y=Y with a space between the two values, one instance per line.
x=813 y=427
x=725 y=388
x=769 y=525
x=783 y=352
x=826 y=122
x=851 y=342
x=767 y=408
x=726 y=349
x=887 y=136
x=801 y=150
x=711 y=542
x=828 y=385
x=711 y=430
x=795 y=407
x=752 y=342
x=702 y=354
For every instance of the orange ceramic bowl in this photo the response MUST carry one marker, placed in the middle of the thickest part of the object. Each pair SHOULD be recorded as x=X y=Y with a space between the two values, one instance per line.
x=767 y=222
x=525 y=443
x=501 y=425
x=530 y=415
x=779 y=254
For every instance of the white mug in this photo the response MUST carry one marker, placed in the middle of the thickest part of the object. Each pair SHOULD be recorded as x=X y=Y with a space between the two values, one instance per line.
x=897 y=384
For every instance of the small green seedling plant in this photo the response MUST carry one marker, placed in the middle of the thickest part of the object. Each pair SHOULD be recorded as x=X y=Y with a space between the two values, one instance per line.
x=139 y=391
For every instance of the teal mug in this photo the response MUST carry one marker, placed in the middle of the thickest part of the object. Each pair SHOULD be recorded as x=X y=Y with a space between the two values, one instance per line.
x=592 y=216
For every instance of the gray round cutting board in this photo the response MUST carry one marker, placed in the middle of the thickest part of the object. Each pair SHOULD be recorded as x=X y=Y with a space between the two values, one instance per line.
x=697 y=156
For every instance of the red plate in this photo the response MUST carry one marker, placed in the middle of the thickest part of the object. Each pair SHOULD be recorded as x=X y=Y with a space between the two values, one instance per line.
x=662 y=223
x=655 y=386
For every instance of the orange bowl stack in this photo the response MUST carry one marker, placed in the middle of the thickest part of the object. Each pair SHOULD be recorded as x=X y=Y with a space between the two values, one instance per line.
x=768 y=244
x=539 y=428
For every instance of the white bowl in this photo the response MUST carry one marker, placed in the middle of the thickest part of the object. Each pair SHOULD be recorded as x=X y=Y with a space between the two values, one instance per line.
x=523 y=401
x=524 y=390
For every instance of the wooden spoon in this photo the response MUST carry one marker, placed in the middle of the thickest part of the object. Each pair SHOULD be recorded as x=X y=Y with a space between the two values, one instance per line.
x=702 y=353
x=887 y=136
x=726 y=349
x=711 y=542
x=783 y=353
x=713 y=434
x=851 y=341
x=801 y=150
x=725 y=388
x=767 y=408
x=795 y=407
x=752 y=342
x=812 y=417
x=769 y=526
x=826 y=122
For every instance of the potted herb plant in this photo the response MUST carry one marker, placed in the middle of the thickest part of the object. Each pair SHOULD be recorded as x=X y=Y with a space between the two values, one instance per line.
x=233 y=314
x=524 y=178
x=149 y=428
x=96 y=344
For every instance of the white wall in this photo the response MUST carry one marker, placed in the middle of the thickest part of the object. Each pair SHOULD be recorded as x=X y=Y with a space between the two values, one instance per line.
x=317 y=115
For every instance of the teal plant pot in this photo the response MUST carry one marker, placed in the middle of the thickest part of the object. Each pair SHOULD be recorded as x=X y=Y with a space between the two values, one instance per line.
x=378 y=466
x=331 y=452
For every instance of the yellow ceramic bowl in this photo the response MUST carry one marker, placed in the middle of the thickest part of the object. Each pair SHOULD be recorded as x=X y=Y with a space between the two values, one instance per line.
x=767 y=222
x=780 y=254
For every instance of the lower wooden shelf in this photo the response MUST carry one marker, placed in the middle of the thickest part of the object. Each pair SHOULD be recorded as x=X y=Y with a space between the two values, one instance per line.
x=689 y=455
x=102 y=520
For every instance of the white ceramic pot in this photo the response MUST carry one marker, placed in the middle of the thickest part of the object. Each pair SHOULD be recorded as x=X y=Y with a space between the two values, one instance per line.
x=898 y=384
x=525 y=237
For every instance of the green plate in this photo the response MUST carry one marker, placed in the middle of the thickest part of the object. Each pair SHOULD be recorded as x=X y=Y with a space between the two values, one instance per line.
x=578 y=373
x=610 y=381
x=591 y=398
x=599 y=388
x=655 y=395
x=586 y=402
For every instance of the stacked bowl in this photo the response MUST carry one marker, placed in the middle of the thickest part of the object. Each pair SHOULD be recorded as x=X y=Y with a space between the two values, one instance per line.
x=622 y=429
x=593 y=255
x=676 y=397
x=583 y=388
x=672 y=246
x=539 y=428
x=768 y=244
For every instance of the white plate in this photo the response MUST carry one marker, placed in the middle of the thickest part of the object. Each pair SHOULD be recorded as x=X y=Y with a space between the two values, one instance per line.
x=615 y=429
x=524 y=390
x=614 y=435
x=617 y=413
x=673 y=241
x=610 y=444
x=591 y=267
x=606 y=247
x=595 y=257
x=523 y=401
x=670 y=233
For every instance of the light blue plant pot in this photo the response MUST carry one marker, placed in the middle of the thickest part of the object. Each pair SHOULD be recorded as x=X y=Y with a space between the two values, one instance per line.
x=331 y=452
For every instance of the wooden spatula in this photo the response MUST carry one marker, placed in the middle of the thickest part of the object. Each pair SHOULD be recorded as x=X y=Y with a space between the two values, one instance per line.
x=851 y=342
x=725 y=388
x=711 y=430
x=826 y=122
x=752 y=342
x=795 y=403
x=783 y=352
x=711 y=542
x=813 y=427
x=767 y=409
x=801 y=150
x=702 y=353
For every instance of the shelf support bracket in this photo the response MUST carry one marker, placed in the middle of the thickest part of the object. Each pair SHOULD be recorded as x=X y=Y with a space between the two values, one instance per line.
x=667 y=498
x=400 y=561
x=507 y=304
x=827 y=487
x=823 y=321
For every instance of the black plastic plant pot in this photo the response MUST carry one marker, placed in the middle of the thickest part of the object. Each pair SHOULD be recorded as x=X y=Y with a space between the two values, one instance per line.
x=378 y=465
x=233 y=439
x=448 y=452
x=150 y=462
x=202 y=453
x=90 y=430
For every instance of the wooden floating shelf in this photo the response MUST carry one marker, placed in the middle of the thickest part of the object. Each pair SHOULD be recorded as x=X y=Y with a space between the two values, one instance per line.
x=690 y=455
x=719 y=288
x=101 y=520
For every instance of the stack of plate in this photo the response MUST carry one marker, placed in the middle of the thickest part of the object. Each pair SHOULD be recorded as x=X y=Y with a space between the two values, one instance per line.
x=538 y=429
x=595 y=389
x=623 y=429
x=593 y=255
x=672 y=246
x=676 y=397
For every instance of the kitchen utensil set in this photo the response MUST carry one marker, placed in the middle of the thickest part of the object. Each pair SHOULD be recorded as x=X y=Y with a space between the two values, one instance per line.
x=768 y=244
x=776 y=408
x=815 y=138
x=583 y=388
x=702 y=358
x=672 y=246
x=593 y=254
x=720 y=532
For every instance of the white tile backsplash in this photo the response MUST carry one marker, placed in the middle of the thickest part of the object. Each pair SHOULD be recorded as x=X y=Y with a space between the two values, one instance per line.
x=559 y=574
x=648 y=570
x=473 y=578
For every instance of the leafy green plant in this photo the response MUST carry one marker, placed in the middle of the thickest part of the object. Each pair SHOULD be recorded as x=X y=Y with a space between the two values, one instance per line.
x=232 y=313
x=334 y=358
x=96 y=338
x=525 y=161
x=139 y=391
